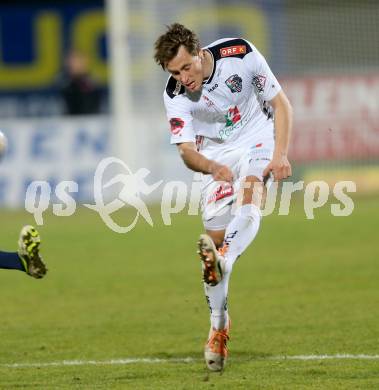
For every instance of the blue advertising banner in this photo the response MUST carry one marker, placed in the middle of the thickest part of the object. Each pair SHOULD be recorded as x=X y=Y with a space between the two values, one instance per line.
x=35 y=39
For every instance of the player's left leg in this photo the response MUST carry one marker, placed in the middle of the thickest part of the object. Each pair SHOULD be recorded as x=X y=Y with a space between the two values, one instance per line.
x=245 y=224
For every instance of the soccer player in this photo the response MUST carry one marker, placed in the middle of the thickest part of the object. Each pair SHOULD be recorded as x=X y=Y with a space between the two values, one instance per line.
x=231 y=121
x=27 y=258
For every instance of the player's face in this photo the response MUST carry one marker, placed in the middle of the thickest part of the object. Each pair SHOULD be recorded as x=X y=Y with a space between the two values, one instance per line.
x=187 y=69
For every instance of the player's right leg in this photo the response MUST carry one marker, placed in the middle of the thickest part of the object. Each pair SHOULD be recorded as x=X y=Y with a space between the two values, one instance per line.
x=216 y=350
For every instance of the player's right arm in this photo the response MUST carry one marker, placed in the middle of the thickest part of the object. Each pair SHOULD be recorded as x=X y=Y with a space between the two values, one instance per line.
x=199 y=163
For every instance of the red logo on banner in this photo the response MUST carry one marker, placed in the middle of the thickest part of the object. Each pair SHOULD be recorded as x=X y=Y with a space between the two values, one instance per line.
x=176 y=125
x=232 y=50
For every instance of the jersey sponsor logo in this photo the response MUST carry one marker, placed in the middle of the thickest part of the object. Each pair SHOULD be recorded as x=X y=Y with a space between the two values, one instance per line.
x=232 y=122
x=233 y=116
x=234 y=83
x=212 y=88
x=176 y=125
x=232 y=50
x=222 y=191
x=259 y=81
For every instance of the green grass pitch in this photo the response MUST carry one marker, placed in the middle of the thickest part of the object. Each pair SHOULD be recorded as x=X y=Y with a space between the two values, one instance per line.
x=305 y=287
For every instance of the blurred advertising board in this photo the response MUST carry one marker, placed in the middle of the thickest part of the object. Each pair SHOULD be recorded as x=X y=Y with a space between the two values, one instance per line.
x=335 y=118
x=52 y=150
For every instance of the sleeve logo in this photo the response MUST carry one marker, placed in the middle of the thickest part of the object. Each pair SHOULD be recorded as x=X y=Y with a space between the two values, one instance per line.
x=259 y=81
x=232 y=50
x=176 y=125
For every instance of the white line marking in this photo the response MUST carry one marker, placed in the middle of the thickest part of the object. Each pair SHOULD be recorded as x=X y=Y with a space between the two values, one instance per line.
x=180 y=360
x=326 y=357
x=100 y=363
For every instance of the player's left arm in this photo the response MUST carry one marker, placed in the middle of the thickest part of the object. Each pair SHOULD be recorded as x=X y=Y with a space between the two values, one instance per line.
x=279 y=165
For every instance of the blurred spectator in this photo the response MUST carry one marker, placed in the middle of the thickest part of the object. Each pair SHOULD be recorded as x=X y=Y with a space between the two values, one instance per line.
x=80 y=92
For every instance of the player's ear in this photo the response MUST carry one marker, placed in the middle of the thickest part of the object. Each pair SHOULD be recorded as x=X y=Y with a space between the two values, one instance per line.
x=201 y=54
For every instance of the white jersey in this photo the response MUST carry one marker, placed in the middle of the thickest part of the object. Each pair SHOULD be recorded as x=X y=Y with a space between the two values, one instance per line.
x=231 y=110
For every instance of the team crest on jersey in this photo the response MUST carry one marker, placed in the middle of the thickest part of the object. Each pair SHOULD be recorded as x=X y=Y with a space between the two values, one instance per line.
x=234 y=83
x=232 y=50
x=176 y=125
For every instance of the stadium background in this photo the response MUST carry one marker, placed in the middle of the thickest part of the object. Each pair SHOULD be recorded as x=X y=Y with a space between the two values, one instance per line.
x=304 y=288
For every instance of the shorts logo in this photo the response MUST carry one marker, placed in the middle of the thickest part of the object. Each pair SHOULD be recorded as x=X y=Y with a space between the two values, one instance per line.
x=234 y=83
x=232 y=50
x=222 y=191
x=177 y=125
x=259 y=81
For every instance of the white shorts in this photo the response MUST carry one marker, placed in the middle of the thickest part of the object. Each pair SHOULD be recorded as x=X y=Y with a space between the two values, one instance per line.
x=218 y=198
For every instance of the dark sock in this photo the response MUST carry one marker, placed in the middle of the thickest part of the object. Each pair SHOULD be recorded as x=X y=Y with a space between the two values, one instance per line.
x=11 y=260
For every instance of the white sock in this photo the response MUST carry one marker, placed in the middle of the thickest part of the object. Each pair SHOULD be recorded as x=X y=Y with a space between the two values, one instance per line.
x=217 y=297
x=240 y=232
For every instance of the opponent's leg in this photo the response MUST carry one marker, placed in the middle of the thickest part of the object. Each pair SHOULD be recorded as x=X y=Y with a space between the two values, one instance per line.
x=27 y=258
x=28 y=251
x=11 y=260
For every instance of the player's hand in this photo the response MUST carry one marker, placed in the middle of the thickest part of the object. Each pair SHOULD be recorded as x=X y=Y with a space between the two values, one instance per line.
x=221 y=172
x=280 y=167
